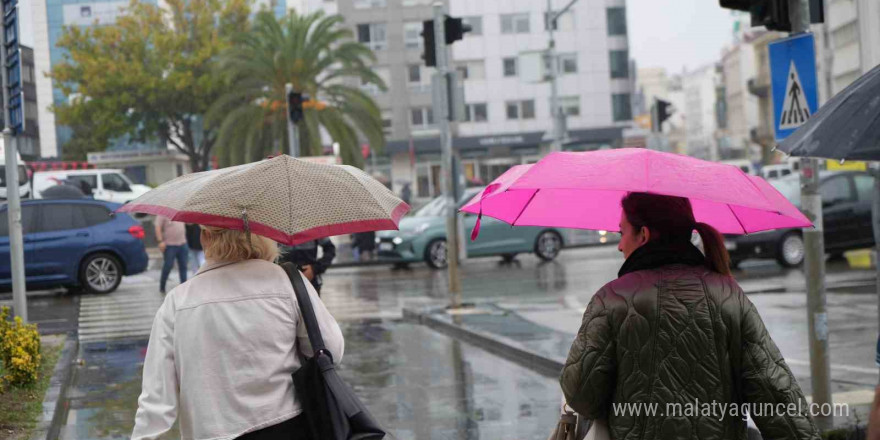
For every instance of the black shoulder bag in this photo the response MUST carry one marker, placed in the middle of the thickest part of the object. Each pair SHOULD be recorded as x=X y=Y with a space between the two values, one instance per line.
x=331 y=409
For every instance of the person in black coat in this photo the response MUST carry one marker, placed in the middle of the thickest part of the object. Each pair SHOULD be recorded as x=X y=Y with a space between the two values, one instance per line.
x=194 y=243
x=305 y=256
x=365 y=242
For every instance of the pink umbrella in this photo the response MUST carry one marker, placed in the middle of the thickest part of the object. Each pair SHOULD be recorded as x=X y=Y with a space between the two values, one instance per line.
x=584 y=190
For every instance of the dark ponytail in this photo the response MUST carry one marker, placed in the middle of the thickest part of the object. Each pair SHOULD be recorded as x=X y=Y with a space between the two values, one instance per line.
x=717 y=257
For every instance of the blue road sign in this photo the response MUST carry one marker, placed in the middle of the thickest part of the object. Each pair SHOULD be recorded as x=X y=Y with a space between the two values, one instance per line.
x=15 y=118
x=793 y=80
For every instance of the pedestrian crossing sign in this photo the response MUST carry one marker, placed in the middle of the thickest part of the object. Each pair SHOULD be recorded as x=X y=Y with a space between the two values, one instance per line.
x=793 y=73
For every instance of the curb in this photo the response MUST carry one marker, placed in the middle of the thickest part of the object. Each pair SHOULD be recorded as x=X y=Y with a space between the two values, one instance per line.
x=506 y=349
x=49 y=426
x=500 y=347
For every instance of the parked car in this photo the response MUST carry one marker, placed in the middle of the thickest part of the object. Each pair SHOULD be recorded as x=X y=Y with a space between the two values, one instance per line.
x=107 y=185
x=422 y=237
x=74 y=243
x=846 y=210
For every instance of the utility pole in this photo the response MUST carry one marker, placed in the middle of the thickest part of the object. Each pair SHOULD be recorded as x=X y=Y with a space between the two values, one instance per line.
x=814 y=258
x=294 y=107
x=442 y=116
x=10 y=49
x=559 y=129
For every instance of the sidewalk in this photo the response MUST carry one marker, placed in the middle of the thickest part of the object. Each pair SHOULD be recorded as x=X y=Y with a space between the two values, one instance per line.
x=538 y=336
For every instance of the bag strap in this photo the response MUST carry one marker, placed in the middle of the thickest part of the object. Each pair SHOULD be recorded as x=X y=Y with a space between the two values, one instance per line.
x=305 y=307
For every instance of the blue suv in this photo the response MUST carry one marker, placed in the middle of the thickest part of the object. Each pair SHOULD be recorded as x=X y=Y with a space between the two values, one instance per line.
x=77 y=243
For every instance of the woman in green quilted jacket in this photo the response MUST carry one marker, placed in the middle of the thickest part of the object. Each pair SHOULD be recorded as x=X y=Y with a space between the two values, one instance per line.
x=673 y=348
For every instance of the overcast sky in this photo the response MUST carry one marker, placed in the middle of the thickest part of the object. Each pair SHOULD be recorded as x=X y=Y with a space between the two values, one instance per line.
x=677 y=33
x=662 y=33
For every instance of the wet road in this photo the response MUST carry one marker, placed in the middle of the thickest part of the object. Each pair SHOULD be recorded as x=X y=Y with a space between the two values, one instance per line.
x=379 y=291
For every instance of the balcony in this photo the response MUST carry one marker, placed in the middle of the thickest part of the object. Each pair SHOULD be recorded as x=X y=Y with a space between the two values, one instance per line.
x=760 y=90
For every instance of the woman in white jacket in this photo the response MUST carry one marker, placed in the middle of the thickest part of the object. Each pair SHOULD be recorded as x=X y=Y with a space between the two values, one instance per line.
x=224 y=344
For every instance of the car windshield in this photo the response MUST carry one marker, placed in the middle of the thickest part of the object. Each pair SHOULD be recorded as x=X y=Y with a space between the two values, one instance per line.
x=790 y=187
x=434 y=208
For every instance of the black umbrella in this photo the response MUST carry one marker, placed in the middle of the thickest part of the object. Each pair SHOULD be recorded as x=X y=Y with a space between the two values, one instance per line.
x=845 y=127
x=62 y=192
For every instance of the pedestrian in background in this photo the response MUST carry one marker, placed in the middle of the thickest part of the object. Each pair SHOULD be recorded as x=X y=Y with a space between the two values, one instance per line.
x=305 y=257
x=172 y=243
x=673 y=329
x=365 y=243
x=194 y=243
x=224 y=345
x=406 y=193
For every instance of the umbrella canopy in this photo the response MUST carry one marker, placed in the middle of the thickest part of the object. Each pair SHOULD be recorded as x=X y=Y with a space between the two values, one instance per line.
x=288 y=200
x=584 y=190
x=65 y=191
x=846 y=127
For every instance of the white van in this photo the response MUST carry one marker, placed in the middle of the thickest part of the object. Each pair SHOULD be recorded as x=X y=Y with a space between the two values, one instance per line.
x=24 y=183
x=107 y=185
x=770 y=172
x=743 y=164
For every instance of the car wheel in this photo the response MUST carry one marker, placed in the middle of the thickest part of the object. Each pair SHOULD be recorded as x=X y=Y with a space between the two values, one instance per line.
x=100 y=273
x=547 y=245
x=791 y=250
x=435 y=254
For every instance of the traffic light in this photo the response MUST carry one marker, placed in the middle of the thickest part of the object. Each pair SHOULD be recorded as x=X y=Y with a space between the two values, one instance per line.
x=453 y=29
x=661 y=111
x=430 y=55
x=295 y=106
x=774 y=14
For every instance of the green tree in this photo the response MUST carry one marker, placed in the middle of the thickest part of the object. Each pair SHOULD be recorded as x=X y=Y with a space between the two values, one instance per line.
x=318 y=56
x=149 y=76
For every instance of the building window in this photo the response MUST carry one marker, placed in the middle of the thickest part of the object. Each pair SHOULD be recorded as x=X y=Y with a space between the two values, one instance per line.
x=476 y=24
x=416 y=2
x=621 y=107
x=471 y=70
x=515 y=23
x=520 y=109
x=384 y=74
x=372 y=35
x=510 y=67
x=616 y=21
x=564 y=23
x=85 y=11
x=387 y=118
x=412 y=35
x=415 y=73
x=422 y=117
x=476 y=113
x=568 y=63
x=570 y=105
x=366 y=4
x=619 y=64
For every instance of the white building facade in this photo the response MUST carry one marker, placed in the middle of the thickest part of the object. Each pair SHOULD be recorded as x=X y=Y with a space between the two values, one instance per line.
x=508 y=116
x=701 y=122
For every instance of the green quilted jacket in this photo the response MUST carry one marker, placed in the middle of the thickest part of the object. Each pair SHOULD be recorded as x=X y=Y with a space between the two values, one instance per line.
x=688 y=343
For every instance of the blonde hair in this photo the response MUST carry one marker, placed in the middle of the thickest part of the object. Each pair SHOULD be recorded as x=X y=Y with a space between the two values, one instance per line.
x=232 y=245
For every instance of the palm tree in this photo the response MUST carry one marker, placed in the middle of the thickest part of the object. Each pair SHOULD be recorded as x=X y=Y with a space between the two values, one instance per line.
x=316 y=55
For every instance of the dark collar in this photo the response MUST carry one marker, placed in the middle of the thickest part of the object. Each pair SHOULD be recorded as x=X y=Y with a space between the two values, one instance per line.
x=654 y=255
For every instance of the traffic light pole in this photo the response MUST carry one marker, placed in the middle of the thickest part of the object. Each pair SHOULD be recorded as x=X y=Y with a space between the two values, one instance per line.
x=292 y=129
x=13 y=210
x=442 y=116
x=556 y=113
x=814 y=257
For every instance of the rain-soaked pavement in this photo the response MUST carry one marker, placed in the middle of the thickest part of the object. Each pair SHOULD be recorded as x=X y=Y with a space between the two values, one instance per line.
x=424 y=385
x=418 y=383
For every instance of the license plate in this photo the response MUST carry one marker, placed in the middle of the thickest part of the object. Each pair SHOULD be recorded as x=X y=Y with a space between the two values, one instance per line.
x=386 y=247
x=730 y=245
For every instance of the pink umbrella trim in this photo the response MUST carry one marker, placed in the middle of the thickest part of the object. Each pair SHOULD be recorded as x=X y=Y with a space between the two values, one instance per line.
x=268 y=231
